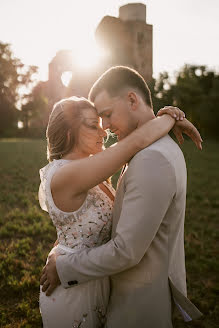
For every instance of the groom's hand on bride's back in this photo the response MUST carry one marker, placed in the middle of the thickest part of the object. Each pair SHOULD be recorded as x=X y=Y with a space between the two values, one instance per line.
x=49 y=277
x=182 y=125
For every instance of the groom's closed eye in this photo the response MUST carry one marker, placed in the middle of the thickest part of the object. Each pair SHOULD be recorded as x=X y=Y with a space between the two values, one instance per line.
x=107 y=114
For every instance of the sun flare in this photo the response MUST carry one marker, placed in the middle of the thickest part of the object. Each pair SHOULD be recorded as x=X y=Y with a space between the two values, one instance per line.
x=88 y=56
x=66 y=78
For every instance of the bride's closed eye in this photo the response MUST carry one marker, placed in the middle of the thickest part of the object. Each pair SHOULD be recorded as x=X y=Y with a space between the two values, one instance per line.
x=94 y=127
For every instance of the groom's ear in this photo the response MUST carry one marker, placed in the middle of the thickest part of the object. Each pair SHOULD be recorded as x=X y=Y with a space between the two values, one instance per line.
x=133 y=100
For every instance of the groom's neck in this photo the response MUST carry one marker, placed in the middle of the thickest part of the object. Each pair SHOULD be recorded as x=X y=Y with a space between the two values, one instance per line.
x=145 y=115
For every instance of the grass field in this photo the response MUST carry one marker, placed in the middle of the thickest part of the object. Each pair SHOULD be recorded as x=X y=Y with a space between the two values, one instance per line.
x=26 y=233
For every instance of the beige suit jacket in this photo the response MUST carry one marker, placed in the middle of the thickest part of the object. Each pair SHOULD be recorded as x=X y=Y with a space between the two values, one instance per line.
x=145 y=257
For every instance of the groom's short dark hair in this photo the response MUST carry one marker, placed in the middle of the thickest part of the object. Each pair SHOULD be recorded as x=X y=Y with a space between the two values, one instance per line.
x=115 y=79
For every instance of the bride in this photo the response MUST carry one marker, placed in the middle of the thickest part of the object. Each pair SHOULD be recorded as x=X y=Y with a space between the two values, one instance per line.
x=76 y=192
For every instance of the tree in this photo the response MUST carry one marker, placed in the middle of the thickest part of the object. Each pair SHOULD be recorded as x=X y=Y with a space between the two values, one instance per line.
x=35 y=111
x=161 y=91
x=13 y=75
x=8 y=86
x=33 y=115
x=195 y=90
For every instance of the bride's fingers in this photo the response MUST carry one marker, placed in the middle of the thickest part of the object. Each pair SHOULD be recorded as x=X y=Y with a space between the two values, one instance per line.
x=178 y=113
x=188 y=128
x=181 y=114
x=175 y=112
x=198 y=142
x=194 y=134
x=168 y=111
x=178 y=135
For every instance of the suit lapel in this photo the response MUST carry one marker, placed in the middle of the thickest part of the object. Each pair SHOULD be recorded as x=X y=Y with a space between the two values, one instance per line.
x=121 y=174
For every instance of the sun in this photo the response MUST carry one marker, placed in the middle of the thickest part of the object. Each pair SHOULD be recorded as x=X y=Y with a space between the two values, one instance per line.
x=85 y=59
x=66 y=78
x=88 y=56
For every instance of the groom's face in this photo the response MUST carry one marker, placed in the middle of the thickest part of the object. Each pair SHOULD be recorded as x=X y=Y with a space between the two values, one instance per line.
x=115 y=114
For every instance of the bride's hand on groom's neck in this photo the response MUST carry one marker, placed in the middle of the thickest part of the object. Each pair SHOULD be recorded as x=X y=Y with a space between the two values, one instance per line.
x=190 y=130
x=182 y=125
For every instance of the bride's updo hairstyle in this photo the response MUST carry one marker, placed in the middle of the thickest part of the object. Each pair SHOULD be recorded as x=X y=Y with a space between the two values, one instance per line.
x=64 y=122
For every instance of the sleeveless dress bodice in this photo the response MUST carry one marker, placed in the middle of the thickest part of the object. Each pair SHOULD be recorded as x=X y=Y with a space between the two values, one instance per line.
x=90 y=225
x=87 y=227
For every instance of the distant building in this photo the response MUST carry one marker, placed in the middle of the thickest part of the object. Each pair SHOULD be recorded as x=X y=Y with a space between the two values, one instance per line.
x=61 y=63
x=127 y=40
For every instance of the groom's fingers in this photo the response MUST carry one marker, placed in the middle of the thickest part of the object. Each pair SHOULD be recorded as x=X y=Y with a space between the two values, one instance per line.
x=43 y=275
x=45 y=285
x=43 y=279
x=50 y=289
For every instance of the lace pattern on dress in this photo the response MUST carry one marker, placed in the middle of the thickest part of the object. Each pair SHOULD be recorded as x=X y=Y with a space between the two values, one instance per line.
x=87 y=227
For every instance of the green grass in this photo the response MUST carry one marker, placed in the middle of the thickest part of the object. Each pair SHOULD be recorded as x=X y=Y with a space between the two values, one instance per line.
x=27 y=234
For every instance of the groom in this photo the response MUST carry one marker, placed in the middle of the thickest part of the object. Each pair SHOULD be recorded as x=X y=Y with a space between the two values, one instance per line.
x=145 y=257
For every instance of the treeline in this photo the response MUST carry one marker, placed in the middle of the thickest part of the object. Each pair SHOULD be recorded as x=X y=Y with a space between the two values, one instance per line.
x=18 y=104
x=194 y=89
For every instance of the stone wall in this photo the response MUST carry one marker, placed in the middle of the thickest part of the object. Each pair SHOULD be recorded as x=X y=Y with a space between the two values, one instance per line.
x=128 y=39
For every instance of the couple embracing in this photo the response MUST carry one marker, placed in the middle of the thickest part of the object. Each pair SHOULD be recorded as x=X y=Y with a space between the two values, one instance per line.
x=119 y=257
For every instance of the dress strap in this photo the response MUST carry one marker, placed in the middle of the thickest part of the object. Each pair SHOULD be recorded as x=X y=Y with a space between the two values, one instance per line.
x=109 y=187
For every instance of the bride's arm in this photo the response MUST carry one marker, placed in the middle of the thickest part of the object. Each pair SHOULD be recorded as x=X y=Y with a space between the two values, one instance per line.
x=182 y=126
x=83 y=174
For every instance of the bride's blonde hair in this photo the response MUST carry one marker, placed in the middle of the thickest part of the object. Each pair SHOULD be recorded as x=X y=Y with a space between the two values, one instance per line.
x=64 y=122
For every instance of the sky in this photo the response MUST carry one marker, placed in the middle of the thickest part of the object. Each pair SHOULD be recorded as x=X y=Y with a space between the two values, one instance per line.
x=184 y=31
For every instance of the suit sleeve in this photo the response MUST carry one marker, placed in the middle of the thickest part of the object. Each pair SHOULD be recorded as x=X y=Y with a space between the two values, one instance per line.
x=150 y=187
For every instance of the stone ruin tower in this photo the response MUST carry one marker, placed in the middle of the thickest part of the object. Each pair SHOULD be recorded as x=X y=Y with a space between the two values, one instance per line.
x=128 y=39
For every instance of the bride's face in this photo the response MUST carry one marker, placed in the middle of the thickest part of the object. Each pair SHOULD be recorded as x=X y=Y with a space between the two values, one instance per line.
x=91 y=134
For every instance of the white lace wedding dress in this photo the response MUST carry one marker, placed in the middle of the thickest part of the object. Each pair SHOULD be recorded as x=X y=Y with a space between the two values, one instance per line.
x=90 y=226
